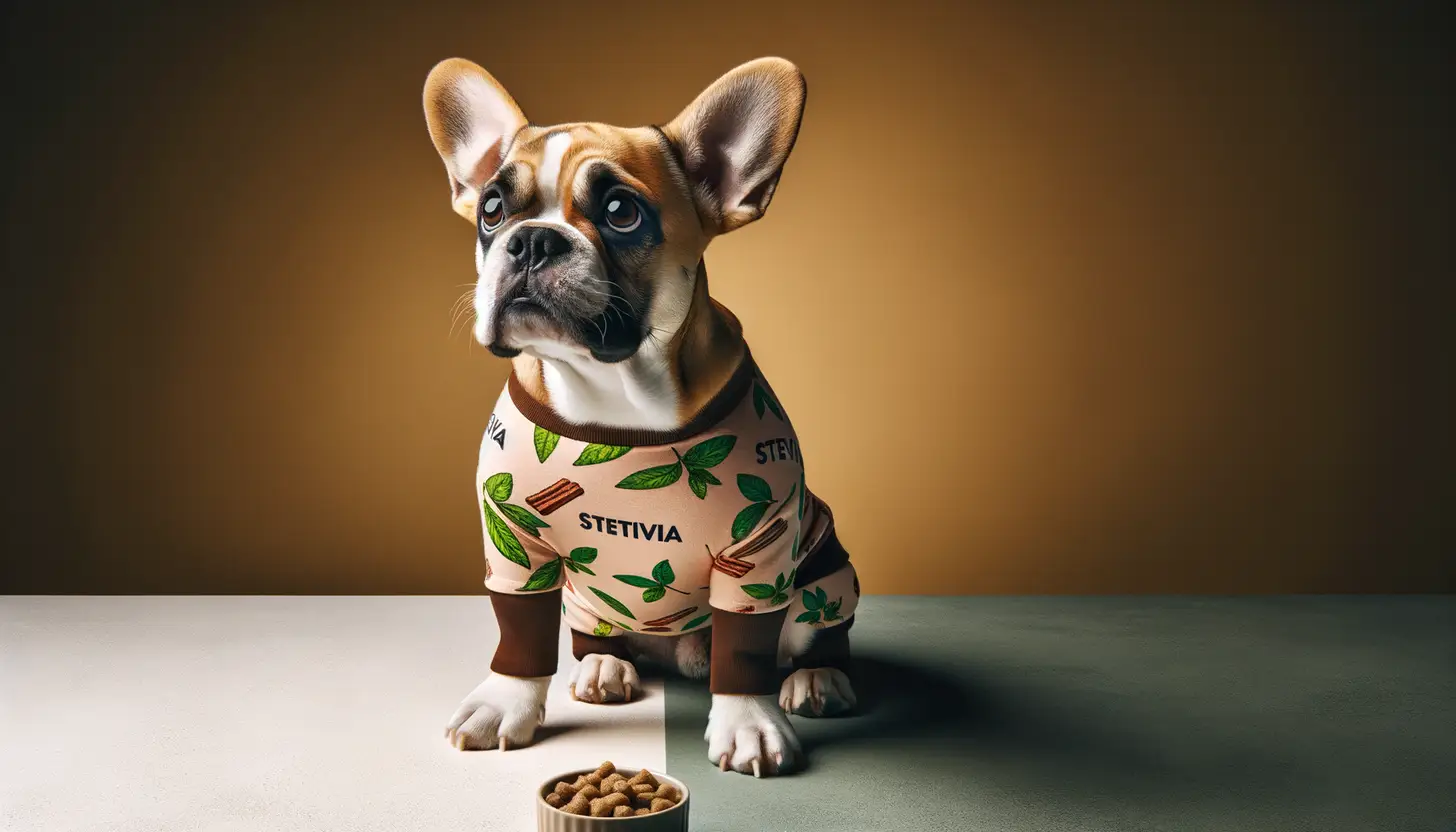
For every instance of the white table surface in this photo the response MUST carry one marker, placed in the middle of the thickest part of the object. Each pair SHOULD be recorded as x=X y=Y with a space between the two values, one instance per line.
x=222 y=713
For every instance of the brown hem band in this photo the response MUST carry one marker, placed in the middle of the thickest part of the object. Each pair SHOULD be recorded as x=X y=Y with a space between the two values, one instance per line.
x=830 y=648
x=584 y=644
x=744 y=659
x=529 y=626
x=711 y=413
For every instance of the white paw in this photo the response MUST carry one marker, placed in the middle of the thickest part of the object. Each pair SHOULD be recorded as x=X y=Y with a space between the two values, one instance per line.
x=751 y=735
x=503 y=711
x=821 y=691
x=599 y=678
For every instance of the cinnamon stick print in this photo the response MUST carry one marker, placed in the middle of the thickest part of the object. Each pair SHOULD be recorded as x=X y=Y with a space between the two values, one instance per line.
x=737 y=564
x=555 y=496
x=668 y=619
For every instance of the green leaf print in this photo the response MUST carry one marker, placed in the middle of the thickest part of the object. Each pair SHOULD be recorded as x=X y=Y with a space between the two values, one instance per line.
x=709 y=452
x=777 y=593
x=754 y=488
x=810 y=617
x=523 y=518
x=654 y=588
x=803 y=494
x=660 y=476
x=499 y=487
x=747 y=519
x=812 y=601
x=831 y=610
x=706 y=475
x=613 y=603
x=545 y=577
x=695 y=622
x=504 y=539
x=583 y=554
x=761 y=400
x=595 y=454
x=698 y=484
x=602 y=629
x=545 y=442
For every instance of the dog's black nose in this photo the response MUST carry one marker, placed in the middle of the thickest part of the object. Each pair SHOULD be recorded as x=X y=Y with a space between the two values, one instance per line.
x=533 y=246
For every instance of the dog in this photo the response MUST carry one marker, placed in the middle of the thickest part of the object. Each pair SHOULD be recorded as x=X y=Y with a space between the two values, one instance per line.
x=639 y=478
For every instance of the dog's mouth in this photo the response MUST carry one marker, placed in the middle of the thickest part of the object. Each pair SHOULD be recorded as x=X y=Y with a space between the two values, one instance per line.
x=611 y=335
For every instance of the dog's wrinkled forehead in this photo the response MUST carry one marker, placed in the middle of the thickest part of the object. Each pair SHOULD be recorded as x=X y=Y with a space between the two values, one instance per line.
x=555 y=172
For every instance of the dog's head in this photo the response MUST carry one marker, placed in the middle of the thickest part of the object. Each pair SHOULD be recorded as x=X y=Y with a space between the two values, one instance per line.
x=588 y=236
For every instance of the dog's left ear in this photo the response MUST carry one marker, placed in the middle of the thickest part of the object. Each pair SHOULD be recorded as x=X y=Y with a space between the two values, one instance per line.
x=735 y=138
x=470 y=116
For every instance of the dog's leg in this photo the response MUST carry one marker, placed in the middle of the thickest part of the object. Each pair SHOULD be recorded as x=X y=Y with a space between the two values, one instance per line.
x=819 y=685
x=747 y=730
x=505 y=710
x=604 y=672
x=816 y=638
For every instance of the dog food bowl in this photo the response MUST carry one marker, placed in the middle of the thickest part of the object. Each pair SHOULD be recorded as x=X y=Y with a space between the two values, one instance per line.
x=551 y=819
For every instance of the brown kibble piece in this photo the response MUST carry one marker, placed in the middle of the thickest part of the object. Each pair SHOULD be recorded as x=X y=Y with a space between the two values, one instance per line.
x=642 y=788
x=642 y=811
x=643 y=799
x=603 y=807
x=659 y=804
x=579 y=805
x=622 y=812
x=668 y=791
x=590 y=792
x=644 y=776
x=580 y=782
x=554 y=800
x=594 y=779
x=565 y=790
x=621 y=787
x=604 y=769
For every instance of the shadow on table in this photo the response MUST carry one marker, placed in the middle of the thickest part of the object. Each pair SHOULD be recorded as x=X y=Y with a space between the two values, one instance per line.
x=969 y=719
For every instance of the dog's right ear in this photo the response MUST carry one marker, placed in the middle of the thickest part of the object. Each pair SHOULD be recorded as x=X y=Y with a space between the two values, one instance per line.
x=470 y=116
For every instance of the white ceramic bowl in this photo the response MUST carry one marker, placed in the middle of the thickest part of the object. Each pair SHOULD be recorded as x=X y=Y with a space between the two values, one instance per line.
x=551 y=819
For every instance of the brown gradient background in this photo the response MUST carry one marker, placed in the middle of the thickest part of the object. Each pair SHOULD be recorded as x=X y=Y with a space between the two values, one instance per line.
x=1102 y=297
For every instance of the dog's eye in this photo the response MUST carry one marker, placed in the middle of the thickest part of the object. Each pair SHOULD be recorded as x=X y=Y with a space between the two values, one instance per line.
x=622 y=214
x=492 y=211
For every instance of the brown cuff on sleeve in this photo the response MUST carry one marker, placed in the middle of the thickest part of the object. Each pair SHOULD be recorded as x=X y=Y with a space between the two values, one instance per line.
x=584 y=643
x=745 y=652
x=529 y=627
x=830 y=648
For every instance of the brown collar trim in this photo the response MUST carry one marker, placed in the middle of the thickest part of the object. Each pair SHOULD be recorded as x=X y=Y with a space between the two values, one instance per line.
x=711 y=413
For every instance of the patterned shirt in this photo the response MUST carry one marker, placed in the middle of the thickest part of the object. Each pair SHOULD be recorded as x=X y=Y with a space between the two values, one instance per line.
x=651 y=536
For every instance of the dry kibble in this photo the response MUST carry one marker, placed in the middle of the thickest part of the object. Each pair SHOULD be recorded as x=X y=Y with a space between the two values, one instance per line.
x=608 y=793
x=579 y=805
x=603 y=807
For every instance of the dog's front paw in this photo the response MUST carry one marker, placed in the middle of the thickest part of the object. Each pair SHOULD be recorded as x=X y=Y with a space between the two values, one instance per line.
x=821 y=691
x=751 y=735
x=599 y=678
x=503 y=711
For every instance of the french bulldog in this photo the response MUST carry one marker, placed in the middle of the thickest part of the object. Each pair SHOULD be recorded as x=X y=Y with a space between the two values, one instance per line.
x=639 y=479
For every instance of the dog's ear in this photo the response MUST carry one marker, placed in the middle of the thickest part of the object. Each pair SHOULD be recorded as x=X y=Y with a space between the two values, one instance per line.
x=735 y=138
x=470 y=115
